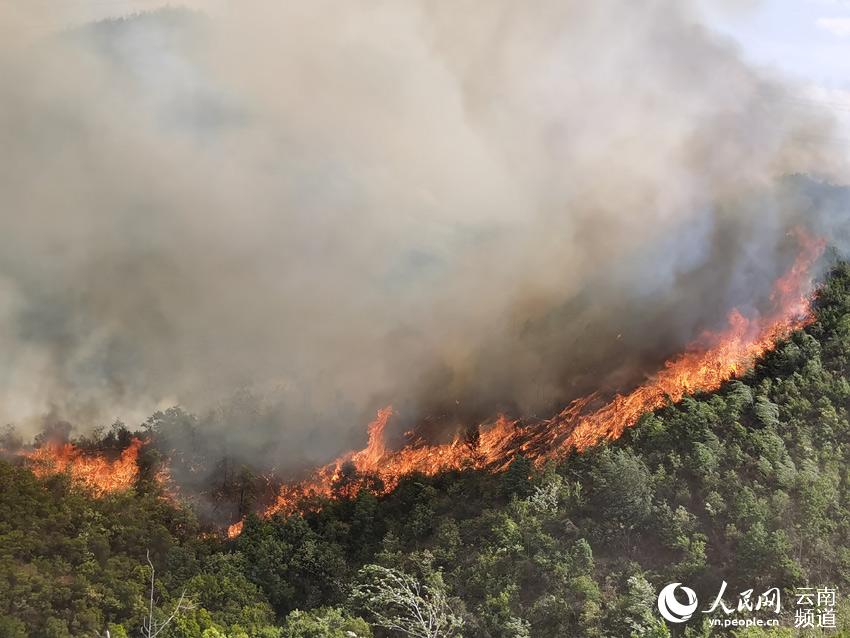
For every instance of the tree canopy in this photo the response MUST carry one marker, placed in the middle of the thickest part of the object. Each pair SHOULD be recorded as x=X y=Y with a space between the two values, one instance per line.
x=748 y=484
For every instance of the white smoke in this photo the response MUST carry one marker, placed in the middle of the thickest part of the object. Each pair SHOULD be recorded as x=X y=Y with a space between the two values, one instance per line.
x=459 y=206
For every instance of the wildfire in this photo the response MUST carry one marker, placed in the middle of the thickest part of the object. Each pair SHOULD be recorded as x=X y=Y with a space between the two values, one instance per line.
x=713 y=359
x=234 y=530
x=96 y=472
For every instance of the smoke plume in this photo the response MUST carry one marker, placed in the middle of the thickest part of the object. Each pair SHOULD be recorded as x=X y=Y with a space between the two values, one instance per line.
x=458 y=207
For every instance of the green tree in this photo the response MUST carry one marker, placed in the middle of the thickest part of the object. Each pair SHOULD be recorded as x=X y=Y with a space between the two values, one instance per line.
x=326 y=622
x=399 y=602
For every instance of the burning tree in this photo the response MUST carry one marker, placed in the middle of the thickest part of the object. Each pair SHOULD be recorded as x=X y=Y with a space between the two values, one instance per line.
x=506 y=444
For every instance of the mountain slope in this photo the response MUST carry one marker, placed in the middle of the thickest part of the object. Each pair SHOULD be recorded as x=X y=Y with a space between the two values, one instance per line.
x=748 y=484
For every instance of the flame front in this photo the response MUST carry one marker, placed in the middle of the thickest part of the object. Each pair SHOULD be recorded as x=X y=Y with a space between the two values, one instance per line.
x=96 y=472
x=706 y=364
x=713 y=359
x=234 y=530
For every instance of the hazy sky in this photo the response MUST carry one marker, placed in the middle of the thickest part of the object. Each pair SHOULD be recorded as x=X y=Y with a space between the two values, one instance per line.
x=809 y=39
x=806 y=38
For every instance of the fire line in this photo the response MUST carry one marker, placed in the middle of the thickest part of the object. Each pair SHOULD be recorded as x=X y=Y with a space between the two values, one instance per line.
x=713 y=359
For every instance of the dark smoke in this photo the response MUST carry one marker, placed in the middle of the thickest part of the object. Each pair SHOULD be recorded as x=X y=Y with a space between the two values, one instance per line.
x=456 y=207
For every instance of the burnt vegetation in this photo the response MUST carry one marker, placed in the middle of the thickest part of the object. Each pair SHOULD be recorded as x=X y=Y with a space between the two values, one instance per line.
x=748 y=484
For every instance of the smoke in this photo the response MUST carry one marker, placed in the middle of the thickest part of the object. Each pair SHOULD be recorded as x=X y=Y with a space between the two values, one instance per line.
x=457 y=207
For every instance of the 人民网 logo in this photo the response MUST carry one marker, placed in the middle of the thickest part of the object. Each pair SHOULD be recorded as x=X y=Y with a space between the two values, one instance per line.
x=671 y=609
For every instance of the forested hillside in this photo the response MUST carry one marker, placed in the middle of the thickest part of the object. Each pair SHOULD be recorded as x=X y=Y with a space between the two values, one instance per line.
x=750 y=484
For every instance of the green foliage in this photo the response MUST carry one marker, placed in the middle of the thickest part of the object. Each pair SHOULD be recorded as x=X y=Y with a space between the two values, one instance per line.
x=71 y=565
x=400 y=602
x=325 y=622
x=748 y=484
x=516 y=481
x=637 y=611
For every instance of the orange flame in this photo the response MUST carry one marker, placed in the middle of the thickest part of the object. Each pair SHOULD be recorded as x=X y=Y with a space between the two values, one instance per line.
x=234 y=530
x=95 y=472
x=713 y=359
